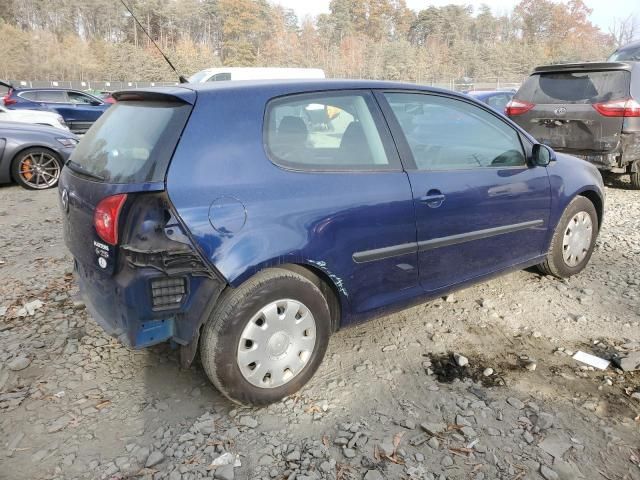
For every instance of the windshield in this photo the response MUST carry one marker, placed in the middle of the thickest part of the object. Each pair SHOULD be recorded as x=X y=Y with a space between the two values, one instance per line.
x=132 y=141
x=575 y=87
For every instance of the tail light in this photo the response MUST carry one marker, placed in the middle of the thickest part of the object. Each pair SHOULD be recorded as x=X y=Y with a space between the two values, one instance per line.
x=627 y=107
x=517 y=107
x=106 y=217
x=7 y=100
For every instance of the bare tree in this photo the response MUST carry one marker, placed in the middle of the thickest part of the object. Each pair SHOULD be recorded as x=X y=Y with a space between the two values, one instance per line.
x=624 y=30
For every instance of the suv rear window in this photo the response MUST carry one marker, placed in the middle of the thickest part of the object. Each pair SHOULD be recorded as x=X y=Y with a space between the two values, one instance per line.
x=575 y=87
x=132 y=141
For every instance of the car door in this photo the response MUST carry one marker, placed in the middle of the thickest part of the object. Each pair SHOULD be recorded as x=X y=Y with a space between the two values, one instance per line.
x=81 y=111
x=480 y=206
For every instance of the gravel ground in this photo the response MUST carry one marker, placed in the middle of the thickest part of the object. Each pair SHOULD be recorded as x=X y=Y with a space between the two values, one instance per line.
x=392 y=399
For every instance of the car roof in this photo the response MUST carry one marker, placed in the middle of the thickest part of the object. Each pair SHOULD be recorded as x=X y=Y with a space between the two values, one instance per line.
x=188 y=91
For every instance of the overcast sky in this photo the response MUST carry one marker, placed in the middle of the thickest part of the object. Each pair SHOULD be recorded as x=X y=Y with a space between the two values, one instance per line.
x=603 y=15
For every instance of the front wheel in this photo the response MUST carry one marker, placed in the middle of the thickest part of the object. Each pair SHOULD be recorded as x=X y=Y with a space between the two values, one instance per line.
x=265 y=339
x=573 y=240
x=36 y=168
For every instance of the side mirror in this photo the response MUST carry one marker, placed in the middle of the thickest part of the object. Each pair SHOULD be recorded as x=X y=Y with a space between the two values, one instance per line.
x=542 y=155
x=96 y=103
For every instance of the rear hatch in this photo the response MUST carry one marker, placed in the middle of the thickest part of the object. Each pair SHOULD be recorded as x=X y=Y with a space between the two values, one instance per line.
x=568 y=107
x=119 y=168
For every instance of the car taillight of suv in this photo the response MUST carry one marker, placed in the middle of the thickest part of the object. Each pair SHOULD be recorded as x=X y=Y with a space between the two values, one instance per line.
x=517 y=107
x=619 y=108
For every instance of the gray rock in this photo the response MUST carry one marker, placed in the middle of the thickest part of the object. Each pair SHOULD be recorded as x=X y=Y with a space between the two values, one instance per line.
x=186 y=437
x=154 y=458
x=527 y=437
x=248 y=422
x=433 y=428
x=386 y=447
x=630 y=362
x=19 y=363
x=487 y=372
x=515 y=403
x=266 y=460
x=373 y=475
x=434 y=443
x=349 y=452
x=409 y=424
x=547 y=473
x=141 y=455
x=544 y=421
x=58 y=424
x=447 y=461
x=225 y=472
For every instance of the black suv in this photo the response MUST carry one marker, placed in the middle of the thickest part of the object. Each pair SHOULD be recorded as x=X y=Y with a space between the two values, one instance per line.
x=590 y=110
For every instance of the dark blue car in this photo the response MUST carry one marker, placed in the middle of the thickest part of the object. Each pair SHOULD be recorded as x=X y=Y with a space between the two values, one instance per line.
x=496 y=99
x=79 y=109
x=254 y=219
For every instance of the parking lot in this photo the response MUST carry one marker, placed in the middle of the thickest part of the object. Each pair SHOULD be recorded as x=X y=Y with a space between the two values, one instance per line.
x=388 y=402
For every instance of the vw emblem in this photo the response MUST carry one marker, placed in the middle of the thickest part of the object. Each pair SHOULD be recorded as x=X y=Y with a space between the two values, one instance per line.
x=64 y=199
x=560 y=111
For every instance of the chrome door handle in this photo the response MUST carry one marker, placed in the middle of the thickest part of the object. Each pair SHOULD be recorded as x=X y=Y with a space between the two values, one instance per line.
x=433 y=198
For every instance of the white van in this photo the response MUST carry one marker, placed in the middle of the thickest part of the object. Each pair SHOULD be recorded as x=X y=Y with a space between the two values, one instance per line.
x=254 y=73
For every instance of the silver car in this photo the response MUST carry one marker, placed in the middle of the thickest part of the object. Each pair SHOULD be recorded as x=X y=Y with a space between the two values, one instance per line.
x=33 y=155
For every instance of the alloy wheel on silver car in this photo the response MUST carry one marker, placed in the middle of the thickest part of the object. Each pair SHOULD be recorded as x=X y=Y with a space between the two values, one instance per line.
x=39 y=170
x=577 y=239
x=277 y=343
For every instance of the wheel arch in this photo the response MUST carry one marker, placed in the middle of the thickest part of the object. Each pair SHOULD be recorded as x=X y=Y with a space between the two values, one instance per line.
x=328 y=288
x=597 y=201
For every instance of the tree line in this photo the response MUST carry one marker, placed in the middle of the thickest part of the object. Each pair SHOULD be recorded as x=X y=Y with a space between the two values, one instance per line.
x=382 y=39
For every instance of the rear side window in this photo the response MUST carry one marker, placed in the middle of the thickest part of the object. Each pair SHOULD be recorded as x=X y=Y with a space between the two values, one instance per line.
x=575 y=87
x=133 y=141
x=33 y=96
x=326 y=131
x=52 y=96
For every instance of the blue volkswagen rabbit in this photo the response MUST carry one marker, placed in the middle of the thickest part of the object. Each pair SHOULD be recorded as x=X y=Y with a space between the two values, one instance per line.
x=251 y=220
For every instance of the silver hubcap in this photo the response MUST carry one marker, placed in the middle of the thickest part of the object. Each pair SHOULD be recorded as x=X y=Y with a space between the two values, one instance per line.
x=277 y=343
x=577 y=239
x=39 y=170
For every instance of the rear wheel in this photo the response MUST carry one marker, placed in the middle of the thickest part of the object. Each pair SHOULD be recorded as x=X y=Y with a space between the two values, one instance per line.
x=265 y=339
x=573 y=240
x=36 y=168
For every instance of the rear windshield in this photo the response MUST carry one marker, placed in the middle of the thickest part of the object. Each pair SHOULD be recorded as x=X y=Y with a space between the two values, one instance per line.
x=575 y=87
x=132 y=141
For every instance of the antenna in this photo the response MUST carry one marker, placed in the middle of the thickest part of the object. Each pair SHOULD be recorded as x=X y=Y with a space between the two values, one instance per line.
x=180 y=77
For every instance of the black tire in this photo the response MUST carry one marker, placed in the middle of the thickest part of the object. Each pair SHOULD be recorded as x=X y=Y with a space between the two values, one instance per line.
x=555 y=264
x=222 y=332
x=53 y=168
